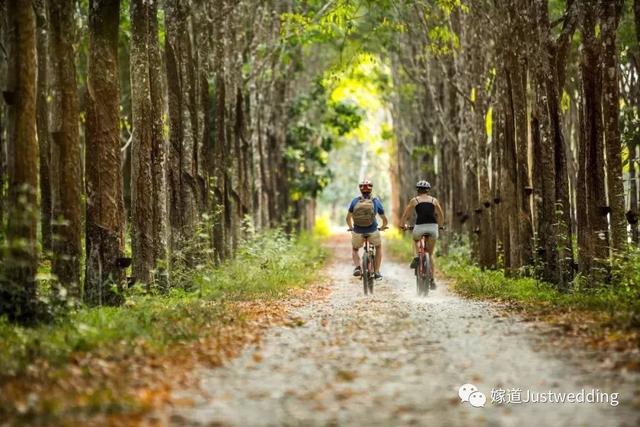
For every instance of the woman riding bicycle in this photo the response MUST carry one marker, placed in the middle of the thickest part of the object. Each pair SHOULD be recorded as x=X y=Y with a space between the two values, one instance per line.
x=430 y=218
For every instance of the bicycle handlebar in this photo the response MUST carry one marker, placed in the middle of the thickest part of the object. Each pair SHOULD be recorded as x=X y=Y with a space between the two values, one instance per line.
x=379 y=229
x=411 y=227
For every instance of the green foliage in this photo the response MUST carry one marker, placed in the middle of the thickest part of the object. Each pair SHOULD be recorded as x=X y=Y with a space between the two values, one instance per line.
x=267 y=265
x=196 y=252
x=398 y=244
x=421 y=151
x=342 y=118
x=316 y=126
x=629 y=124
x=442 y=40
x=488 y=122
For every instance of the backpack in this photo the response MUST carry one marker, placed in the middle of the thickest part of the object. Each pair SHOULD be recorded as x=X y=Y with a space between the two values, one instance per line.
x=364 y=212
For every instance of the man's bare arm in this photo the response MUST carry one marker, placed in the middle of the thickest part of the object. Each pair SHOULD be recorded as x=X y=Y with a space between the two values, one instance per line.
x=350 y=220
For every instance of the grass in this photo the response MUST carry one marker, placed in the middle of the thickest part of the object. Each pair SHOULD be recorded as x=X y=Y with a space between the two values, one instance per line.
x=266 y=268
x=617 y=305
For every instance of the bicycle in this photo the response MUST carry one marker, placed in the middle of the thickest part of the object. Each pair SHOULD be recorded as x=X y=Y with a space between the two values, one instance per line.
x=367 y=264
x=423 y=269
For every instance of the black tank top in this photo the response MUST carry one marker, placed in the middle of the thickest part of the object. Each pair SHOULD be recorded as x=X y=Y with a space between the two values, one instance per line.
x=426 y=213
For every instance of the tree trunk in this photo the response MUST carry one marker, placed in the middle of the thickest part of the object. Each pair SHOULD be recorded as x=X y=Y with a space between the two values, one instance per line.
x=220 y=232
x=105 y=202
x=42 y=23
x=597 y=231
x=585 y=251
x=3 y=114
x=610 y=17
x=147 y=151
x=633 y=190
x=557 y=53
x=553 y=230
x=518 y=81
x=158 y=142
x=633 y=148
x=20 y=262
x=509 y=89
x=66 y=185
x=182 y=154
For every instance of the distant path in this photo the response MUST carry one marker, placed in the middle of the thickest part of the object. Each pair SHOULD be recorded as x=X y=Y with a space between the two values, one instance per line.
x=395 y=359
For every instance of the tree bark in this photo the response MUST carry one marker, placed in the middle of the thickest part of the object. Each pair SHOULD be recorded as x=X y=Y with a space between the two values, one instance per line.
x=610 y=16
x=3 y=111
x=19 y=265
x=105 y=202
x=183 y=145
x=148 y=166
x=597 y=250
x=585 y=250
x=66 y=185
x=217 y=169
x=633 y=145
x=519 y=98
x=633 y=190
x=554 y=230
x=42 y=23
x=159 y=143
x=557 y=51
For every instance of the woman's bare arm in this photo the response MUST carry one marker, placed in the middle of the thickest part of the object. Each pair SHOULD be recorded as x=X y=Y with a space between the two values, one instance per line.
x=440 y=213
x=407 y=212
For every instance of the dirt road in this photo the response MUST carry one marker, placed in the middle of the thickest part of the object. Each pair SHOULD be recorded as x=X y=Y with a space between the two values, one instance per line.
x=396 y=359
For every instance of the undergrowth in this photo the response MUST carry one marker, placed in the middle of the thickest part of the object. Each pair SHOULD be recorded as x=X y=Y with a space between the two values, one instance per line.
x=618 y=301
x=266 y=266
x=398 y=244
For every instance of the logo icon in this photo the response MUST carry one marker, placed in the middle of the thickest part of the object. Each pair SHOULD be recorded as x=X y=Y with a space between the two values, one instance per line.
x=469 y=393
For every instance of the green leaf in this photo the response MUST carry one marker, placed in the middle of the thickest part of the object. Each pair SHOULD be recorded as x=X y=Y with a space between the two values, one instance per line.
x=488 y=122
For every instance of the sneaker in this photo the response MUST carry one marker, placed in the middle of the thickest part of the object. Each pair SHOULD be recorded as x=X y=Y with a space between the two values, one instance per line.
x=377 y=276
x=433 y=283
x=414 y=263
x=357 y=272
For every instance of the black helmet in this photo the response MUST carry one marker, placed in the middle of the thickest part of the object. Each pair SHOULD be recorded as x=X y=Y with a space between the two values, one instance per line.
x=422 y=184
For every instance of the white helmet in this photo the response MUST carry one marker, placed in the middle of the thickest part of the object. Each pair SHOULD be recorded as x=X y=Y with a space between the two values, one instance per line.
x=422 y=184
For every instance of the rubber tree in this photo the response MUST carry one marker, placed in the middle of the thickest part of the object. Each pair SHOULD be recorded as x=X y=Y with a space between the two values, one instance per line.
x=105 y=203
x=20 y=260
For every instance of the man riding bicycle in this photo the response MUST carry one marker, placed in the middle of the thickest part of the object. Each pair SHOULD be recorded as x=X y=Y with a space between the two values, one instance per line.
x=429 y=219
x=361 y=220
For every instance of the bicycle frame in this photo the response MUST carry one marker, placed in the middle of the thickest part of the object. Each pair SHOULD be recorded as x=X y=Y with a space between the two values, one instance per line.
x=368 y=263
x=423 y=269
x=422 y=251
x=368 y=259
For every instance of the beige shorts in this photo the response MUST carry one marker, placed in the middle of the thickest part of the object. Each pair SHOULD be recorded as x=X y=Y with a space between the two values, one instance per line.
x=357 y=239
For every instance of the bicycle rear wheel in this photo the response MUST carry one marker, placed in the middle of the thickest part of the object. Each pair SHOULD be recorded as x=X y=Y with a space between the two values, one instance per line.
x=426 y=275
x=372 y=257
